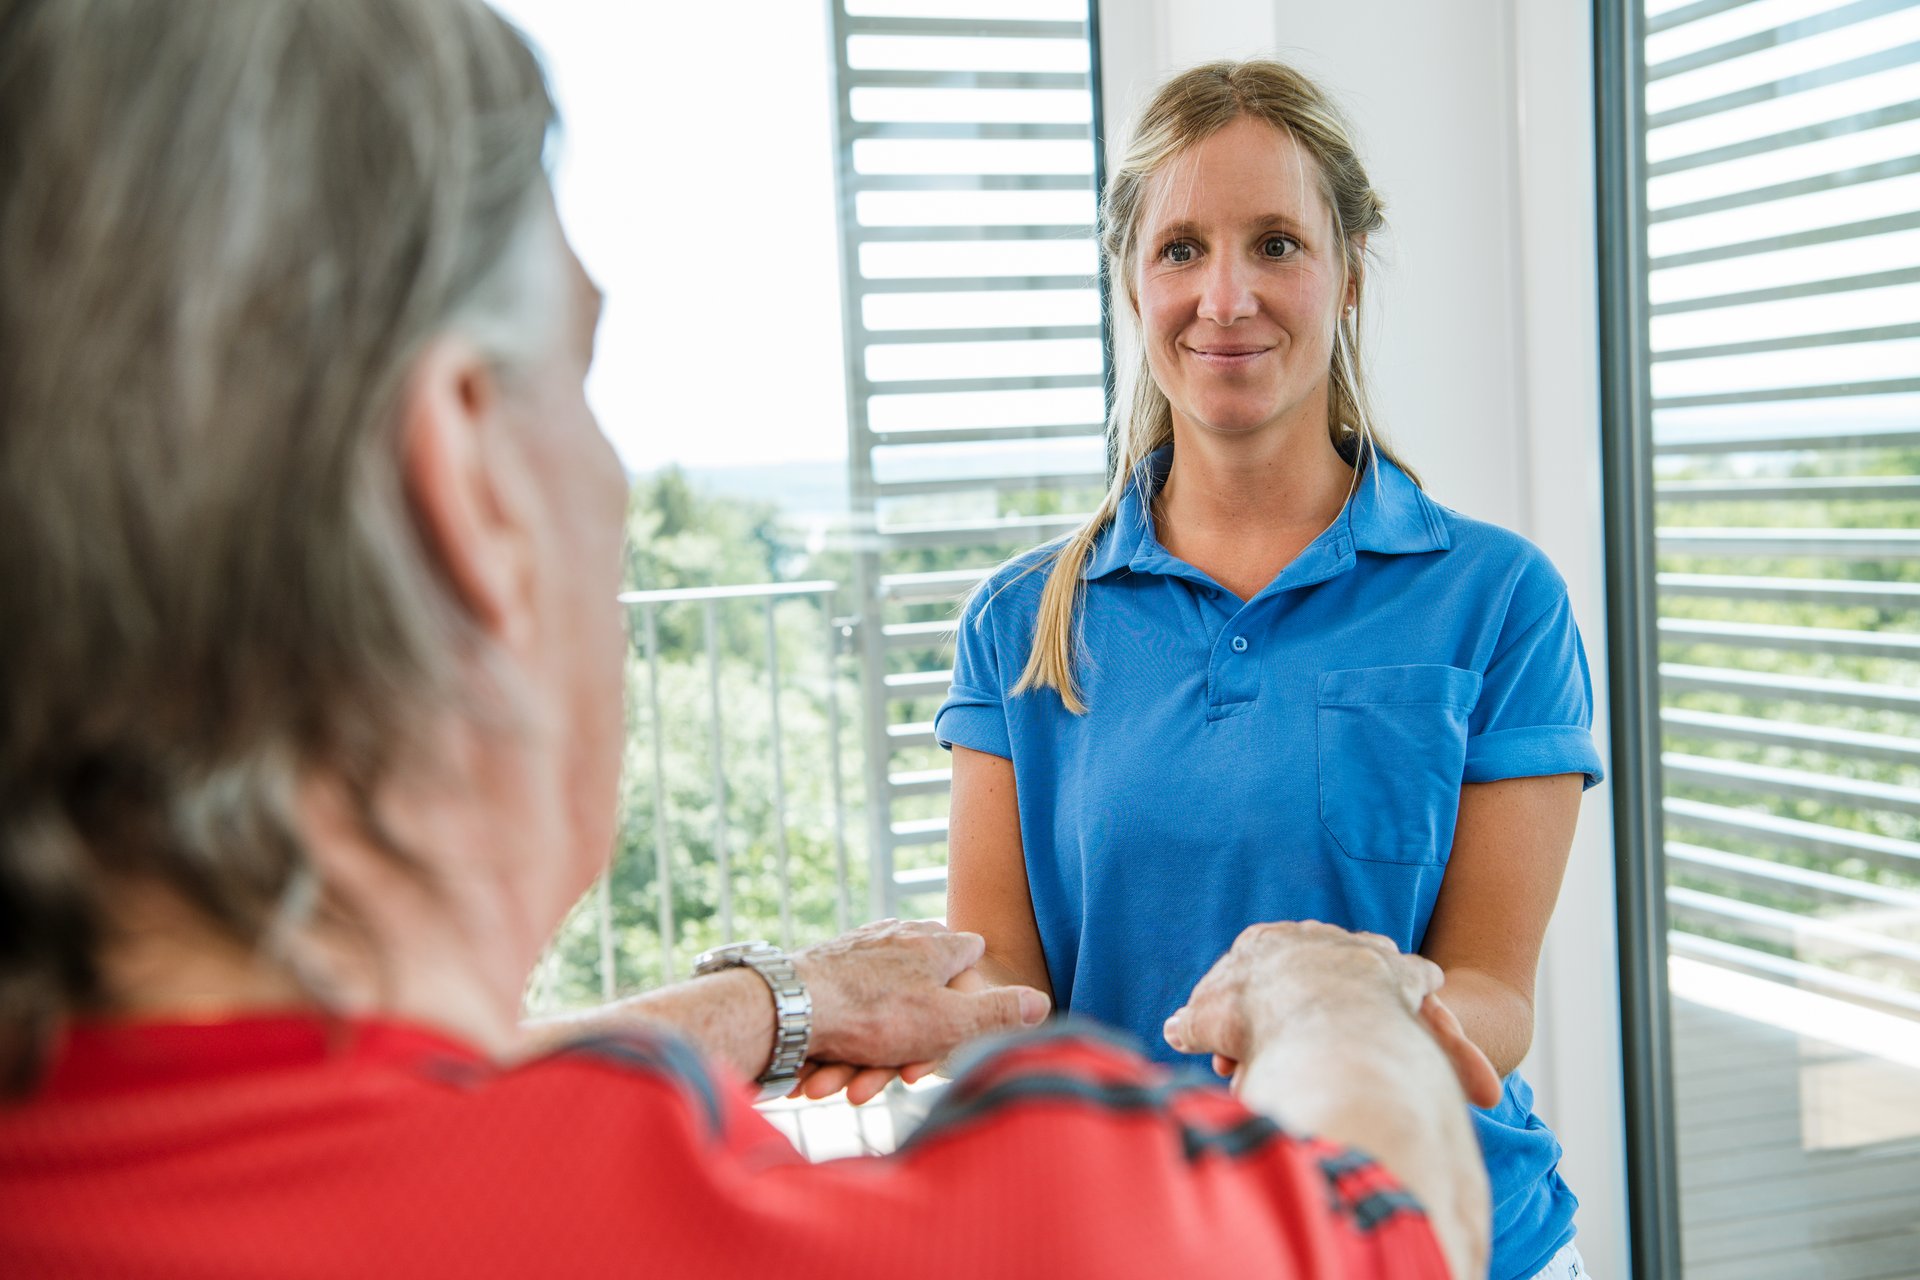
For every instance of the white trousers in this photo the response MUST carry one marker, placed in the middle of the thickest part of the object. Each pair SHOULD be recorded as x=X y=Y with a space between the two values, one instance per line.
x=1565 y=1265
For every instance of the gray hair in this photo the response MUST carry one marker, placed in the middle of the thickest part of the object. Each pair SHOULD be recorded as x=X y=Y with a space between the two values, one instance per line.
x=227 y=231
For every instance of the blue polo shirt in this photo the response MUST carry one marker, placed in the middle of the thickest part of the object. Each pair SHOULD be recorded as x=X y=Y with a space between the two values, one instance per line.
x=1297 y=756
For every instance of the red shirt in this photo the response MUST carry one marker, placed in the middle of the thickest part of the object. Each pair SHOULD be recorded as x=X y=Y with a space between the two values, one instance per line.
x=286 y=1146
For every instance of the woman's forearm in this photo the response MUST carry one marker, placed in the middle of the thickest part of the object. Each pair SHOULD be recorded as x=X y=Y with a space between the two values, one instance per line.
x=999 y=971
x=1494 y=1015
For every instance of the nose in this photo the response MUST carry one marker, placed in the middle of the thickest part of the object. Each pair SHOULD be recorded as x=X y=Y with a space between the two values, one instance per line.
x=1226 y=289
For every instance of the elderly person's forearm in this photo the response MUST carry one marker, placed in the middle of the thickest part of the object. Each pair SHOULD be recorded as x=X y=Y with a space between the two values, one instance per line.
x=1369 y=1076
x=727 y=1015
x=1337 y=1034
x=883 y=995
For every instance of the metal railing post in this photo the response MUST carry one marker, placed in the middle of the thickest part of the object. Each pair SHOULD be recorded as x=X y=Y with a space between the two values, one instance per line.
x=782 y=863
x=843 y=911
x=662 y=861
x=723 y=861
x=609 y=983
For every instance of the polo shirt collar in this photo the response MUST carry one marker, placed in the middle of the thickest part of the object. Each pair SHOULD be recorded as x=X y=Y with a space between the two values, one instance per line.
x=1387 y=514
x=1128 y=542
x=1392 y=515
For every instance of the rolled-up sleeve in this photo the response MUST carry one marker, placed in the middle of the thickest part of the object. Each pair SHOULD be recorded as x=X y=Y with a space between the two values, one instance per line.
x=975 y=714
x=1534 y=716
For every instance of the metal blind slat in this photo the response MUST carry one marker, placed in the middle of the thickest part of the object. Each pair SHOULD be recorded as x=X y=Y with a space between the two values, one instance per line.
x=1773 y=244
x=1782 y=363
x=991 y=204
x=1759 y=346
x=1859 y=175
x=1779 y=293
x=1832 y=20
x=1690 y=13
x=1804 y=737
x=1767 y=686
x=1854 y=68
x=1882 y=387
x=1840 y=128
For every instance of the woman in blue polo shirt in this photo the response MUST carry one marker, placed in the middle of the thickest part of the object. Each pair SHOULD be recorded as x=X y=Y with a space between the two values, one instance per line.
x=1270 y=679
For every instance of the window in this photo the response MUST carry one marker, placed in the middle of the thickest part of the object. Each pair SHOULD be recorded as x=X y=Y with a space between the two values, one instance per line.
x=853 y=357
x=1764 y=164
x=976 y=364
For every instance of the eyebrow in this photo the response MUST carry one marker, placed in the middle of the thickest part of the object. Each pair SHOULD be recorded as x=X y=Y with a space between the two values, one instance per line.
x=1186 y=228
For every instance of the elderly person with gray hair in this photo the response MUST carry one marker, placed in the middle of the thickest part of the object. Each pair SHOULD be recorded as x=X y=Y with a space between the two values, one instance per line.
x=310 y=681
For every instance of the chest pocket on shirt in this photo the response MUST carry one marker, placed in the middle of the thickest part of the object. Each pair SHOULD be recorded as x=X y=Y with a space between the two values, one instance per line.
x=1393 y=750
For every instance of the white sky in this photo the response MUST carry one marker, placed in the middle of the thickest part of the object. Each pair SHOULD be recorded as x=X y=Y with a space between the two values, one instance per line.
x=695 y=179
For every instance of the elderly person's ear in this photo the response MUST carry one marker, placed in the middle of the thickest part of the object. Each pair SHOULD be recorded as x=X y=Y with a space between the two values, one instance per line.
x=467 y=488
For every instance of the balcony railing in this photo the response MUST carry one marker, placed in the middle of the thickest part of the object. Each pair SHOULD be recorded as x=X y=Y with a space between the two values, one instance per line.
x=735 y=813
x=738 y=820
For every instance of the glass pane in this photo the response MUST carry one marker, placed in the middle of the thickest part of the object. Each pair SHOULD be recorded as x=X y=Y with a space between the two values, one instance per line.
x=958 y=259
x=982 y=309
x=978 y=106
x=1787 y=482
x=923 y=361
x=963 y=410
x=1769 y=116
x=981 y=10
x=975 y=208
x=964 y=53
x=971 y=155
x=1832 y=207
x=836 y=417
x=720 y=378
x=1791 y=57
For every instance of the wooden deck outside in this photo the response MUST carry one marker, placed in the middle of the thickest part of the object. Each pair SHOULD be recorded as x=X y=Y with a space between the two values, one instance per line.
x=1799 y=1159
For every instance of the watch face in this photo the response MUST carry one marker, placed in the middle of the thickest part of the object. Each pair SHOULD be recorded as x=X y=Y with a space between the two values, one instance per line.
x=731 y=953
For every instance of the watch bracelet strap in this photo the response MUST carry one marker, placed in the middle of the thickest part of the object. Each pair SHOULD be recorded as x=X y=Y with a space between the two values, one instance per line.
x=792 y=1008
x=792 y=1018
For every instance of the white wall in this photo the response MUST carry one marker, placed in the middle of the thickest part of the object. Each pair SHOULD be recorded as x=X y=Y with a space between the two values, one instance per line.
x=1475 y=119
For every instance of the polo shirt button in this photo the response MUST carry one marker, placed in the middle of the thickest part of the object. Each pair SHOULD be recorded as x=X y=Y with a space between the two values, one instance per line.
x=1239 y=644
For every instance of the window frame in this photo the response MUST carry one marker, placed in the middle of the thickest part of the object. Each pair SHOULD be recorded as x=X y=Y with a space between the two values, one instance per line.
x=1626 y=462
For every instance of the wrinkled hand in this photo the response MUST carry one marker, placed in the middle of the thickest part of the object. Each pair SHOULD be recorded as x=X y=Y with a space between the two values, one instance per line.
x=1277 y=972
x=886 y=1002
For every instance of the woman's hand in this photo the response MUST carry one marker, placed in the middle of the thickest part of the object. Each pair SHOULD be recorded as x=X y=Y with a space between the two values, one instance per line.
x=863 y=1084
x=1275 y=972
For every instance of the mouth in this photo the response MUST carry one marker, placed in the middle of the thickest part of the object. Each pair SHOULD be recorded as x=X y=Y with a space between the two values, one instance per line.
x=1227 y=357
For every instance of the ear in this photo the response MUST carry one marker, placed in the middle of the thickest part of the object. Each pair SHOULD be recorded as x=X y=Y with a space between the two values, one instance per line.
x=1356 y=272
x=466 y=498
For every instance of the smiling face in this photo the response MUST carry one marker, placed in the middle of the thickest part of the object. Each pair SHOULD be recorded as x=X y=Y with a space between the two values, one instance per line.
x=1238 y=280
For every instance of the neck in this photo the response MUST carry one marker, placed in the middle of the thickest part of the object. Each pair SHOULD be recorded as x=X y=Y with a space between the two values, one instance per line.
x=1273 y=483
x=448 y=941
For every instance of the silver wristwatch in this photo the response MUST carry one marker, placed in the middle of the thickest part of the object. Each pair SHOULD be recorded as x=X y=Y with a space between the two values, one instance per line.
x=792 y=1007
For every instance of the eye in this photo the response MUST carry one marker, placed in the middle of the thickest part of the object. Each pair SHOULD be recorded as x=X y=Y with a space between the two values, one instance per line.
x=1278 y=246
x=1178 y=252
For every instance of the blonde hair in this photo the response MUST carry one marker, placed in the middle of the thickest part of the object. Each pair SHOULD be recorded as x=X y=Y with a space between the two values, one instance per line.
x=227 y=231
x=1187 y=110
